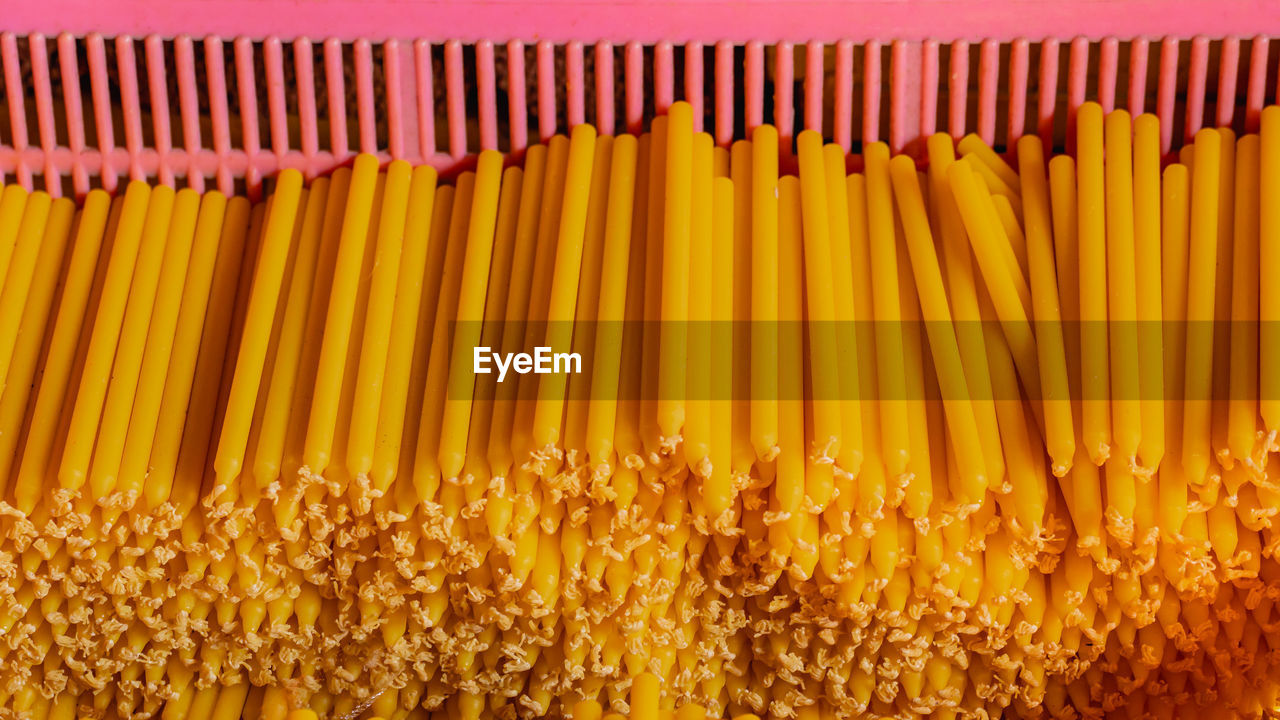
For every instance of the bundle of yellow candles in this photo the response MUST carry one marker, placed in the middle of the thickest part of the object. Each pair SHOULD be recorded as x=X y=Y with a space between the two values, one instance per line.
x=982 y=436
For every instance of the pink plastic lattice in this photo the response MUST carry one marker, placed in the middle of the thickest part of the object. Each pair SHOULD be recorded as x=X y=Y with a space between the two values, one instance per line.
x=998 y=84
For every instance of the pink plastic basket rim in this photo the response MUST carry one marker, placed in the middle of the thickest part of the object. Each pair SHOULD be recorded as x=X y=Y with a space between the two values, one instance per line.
x=649 y=21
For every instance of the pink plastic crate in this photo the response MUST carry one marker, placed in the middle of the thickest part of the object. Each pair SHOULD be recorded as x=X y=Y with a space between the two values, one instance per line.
x=226 y=92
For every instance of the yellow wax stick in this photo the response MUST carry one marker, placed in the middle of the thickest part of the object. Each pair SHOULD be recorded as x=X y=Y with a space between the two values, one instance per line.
x=628 y=442
x=540 y=292
x=1174 y=250
x=586 y=320
x=603 y=408
x=1219 y=394
x=1245 y=281
x=549 y=411
x=1122 y=301
x=282 y=385
x=500 y=451
x=260 y=317
x=973 y=145
x=697 y=426
x=674 y=313
x=335 y=208
x=1201 y=260
x=135 y=445
x=962 y=289
x=1059 y=428
x=764 y=292
x=404 y=451
x=886 y=311
x=871 y=481
x=1007 y=289
x=13 y=201
x=1146 y=198
x=191 y=386
x=378 y=319
x=102 y=344
x=160 y=433
x=253 y=485
x=17 y=283
x=1013 y=231
x=30 y=335
x=1269 y=267
x=495 y=307
x=820 y=310
x=789 y=485
x=404 y=325
x=936 y=313
x=717 y=488
x=426 y=469
x=339 y=316
x=1095 y=370
x=917 y=496
x=849 y=457
x=470 y=313
x=77 y=302
x=740 y=170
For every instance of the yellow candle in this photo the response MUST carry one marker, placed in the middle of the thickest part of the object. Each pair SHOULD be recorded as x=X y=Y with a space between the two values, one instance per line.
x=1175 y=223
x=96 y=375
x=887 y=313
x=764 y=292
x=645 y=691
x=1013 y=231
x=1245 y=281
x=470 y=313
x=849 y=458
x=744 y=455
x=1201 y=261
x=674 y=314
x=789 y=486
x=335 y=207
x=282 y=386
x=476 y=467
x=404 y=325
x=820 y=302
x=1269 y=266
x=135 y=447
x=77 y=299
x=871 y=481
x=183 y=432
x=17 y=283
x=260 y=317
x=628 y=442
x=522 y=441
x=1094 y=366
x=962 y=289
x=13 y=201
x=1122 y=302
x=917 y=495
x=1221 y=385
x=340 y=313
x=717 y=489
x=1005 y=286
x=1059 y=428
x=499 y=453
x=973 y=145
x=1146 y=198
x=133 y=333
x=936 y=314
x=602 y=410
x=426 y=469
x=30 y=332
x=586 y=314
x=378 y=319
x=703 y=272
